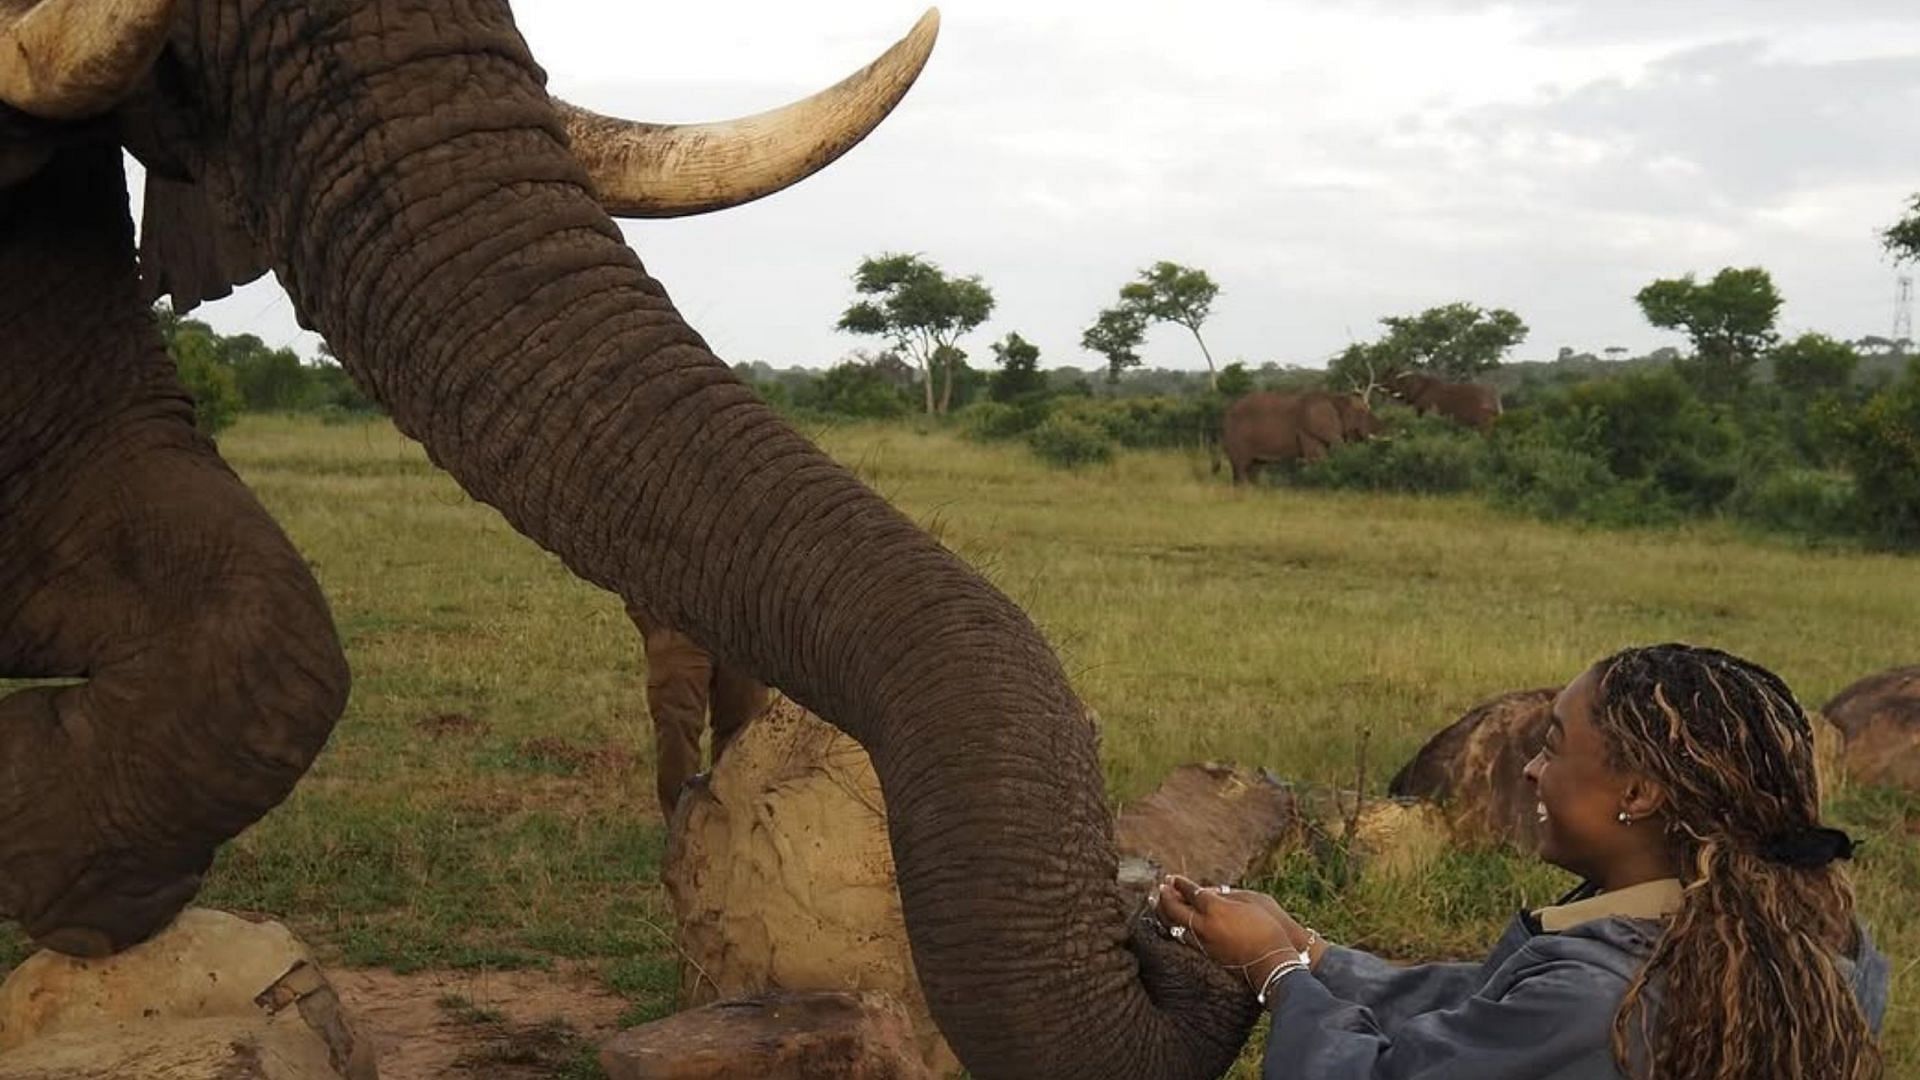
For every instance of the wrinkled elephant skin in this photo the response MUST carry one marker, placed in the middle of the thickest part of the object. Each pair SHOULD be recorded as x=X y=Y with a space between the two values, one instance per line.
x=400 y=168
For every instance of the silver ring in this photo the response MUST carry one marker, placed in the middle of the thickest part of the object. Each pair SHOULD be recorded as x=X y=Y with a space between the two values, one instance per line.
x=1178 y=933
x=1223 y=889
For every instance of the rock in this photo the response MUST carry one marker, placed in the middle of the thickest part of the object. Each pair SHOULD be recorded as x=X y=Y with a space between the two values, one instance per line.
x=254 y=977
x=1474 y=769
x=1879 y=722
x=222 y=1048
x=1213 y=823
x=782 y=879
x=776 y=1036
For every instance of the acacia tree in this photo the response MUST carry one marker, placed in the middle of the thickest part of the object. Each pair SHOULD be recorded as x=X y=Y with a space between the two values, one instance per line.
x=1165 y=292
x=921 y=311
x=1019 y=377
x=1116 y=335
x=1454 y=341
x=1730 y=320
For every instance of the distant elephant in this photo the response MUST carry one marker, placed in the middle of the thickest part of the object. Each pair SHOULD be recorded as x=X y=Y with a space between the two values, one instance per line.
x=445 y=225
x=1469 y=404
x=1264 y=427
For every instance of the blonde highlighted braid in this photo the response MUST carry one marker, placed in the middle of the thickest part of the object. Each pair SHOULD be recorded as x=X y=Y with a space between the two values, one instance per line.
x=1747 y=972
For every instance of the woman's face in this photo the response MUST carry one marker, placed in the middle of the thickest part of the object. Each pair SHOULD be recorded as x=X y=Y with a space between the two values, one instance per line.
x=1581 y=795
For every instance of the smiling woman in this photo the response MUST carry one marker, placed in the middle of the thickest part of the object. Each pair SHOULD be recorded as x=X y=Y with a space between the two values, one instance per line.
x=1713 y=936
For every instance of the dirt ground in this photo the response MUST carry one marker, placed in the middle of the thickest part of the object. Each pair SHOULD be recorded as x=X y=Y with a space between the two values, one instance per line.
x=512 y=1025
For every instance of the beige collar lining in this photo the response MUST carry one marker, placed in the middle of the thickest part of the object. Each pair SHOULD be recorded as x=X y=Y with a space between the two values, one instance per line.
x=1647 y=900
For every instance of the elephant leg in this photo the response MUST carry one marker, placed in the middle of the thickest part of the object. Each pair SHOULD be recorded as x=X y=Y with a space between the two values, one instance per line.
x=737 y=698
x=679 y=673
x=130 y=557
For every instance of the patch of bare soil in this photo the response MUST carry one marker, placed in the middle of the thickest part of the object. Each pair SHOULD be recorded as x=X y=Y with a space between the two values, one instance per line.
x=510 y=1025
x=579 y=757
x=450 y=724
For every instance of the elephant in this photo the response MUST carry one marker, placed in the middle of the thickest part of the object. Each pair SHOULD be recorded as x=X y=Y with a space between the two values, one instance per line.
x=448 y=228
x=1468 y=404
x=1264 y=427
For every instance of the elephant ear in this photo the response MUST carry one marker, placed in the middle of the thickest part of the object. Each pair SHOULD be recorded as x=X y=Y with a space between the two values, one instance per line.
x=189 y=249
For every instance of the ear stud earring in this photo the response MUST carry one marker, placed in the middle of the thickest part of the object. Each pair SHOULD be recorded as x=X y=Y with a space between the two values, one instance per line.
x=1625 y=818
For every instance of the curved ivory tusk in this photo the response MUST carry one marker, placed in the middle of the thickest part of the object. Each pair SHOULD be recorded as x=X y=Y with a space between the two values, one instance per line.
x=670 y=170
x=68 y=59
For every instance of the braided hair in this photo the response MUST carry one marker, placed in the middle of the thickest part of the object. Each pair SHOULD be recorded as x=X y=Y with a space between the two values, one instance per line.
x=1746 y=973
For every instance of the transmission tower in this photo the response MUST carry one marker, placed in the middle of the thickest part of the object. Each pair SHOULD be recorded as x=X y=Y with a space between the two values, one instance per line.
x=1903 y=309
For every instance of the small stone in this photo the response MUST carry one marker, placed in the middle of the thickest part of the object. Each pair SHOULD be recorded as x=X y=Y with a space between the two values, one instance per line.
x=1213 y=823
x=809 y=1035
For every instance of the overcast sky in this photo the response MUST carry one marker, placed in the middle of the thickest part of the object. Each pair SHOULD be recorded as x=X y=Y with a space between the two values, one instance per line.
x=1327 y=162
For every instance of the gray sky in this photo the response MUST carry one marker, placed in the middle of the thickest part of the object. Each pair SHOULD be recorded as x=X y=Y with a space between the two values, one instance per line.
x=1327 y=162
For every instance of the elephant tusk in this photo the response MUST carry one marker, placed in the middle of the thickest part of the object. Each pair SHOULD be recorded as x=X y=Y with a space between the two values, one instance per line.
x=69 y=59
x=671 y=170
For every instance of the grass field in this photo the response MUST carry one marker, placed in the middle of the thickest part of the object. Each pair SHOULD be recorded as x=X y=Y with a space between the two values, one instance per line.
x=487 y=800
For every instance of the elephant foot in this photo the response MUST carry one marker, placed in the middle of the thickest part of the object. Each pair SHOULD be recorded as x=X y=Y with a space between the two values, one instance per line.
x=105 y=913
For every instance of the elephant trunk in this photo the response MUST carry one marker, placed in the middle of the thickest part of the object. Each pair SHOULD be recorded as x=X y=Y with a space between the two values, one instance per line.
x=435 y=228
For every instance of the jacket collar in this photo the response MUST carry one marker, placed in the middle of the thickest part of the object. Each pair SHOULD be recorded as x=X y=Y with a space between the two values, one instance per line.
x=1647 y=900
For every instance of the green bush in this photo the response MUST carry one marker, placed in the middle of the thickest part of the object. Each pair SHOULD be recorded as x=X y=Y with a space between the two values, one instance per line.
x=1880 y=446
x=1069 y=442
x=993 y=421
x=853 y=389
x=1810 y=502
x=216 y=398
x=1638 y=448
x=1142 y=423
x=1425 y=456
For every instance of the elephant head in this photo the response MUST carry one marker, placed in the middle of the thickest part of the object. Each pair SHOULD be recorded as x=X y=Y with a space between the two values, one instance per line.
x=445 y=224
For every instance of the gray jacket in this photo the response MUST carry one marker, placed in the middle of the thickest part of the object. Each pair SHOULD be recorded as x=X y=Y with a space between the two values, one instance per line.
x=1540 y=1007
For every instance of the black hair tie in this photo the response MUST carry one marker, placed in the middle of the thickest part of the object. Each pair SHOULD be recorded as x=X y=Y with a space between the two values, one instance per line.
x=1808 y=849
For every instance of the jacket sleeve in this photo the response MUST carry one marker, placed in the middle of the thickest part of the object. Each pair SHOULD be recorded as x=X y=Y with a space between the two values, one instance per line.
x=1554 y=1019
x=1393 y=992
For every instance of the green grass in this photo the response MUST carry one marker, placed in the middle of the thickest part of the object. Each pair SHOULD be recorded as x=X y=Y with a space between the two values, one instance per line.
x=487 y=801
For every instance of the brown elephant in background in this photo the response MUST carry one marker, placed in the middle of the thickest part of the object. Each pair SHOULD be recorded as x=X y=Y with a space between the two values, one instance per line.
x=445 y=225
x=1263 y=427
x=1469 y=404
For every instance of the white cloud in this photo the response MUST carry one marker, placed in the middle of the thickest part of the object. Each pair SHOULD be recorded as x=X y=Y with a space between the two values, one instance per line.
x=1329 y=163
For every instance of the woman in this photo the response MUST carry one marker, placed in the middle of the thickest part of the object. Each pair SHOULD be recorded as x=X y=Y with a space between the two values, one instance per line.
x=1713 y=938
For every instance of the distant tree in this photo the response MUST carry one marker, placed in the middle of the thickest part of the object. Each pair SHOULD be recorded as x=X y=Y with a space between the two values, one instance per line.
x=1234 y=381
x=1903 y=237
x=1812 y=364
x=1171 y=293
x=1116 y=335
x=1615 y=353
x=196 y=358
x=1730 y=320
x=1454 y=341
x=1019 y=377
x=921 y=311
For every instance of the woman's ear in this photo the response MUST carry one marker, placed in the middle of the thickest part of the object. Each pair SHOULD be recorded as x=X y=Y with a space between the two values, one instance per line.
x=1643 y=798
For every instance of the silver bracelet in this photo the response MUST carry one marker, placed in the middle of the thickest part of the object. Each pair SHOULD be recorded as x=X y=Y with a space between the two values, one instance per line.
x=1280 y=971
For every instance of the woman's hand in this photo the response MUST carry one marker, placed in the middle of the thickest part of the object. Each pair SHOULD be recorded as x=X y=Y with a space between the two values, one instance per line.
x=1240 y=929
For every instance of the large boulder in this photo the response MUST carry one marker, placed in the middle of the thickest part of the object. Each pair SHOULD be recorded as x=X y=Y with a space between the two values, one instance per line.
x=1210 y=822
x=213 y=995
x=1475 y=769
x=812 y=1035
x=1879 y=722
x=781 y=877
